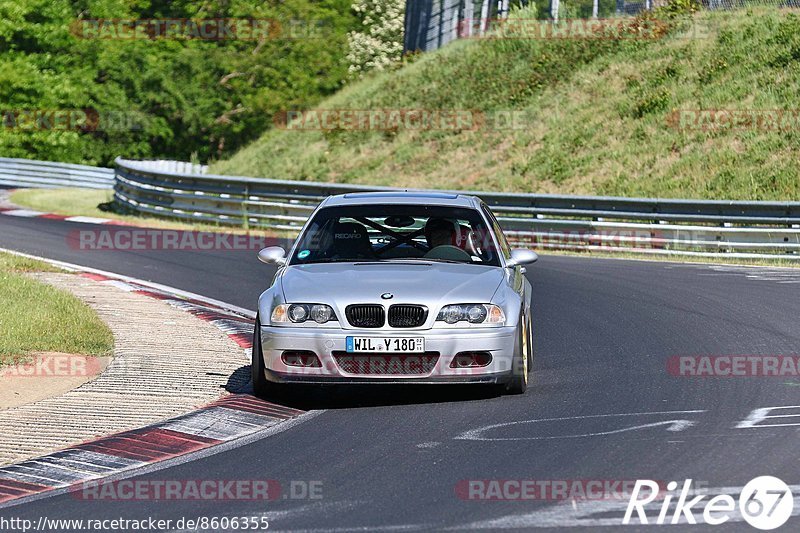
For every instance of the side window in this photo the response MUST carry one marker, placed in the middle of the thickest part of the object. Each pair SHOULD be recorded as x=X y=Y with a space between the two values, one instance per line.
x=505 y=249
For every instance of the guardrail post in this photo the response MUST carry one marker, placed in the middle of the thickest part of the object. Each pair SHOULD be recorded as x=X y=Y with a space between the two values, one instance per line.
x=246 y=221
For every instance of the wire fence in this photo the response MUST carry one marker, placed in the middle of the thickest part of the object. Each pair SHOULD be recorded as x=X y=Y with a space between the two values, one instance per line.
x=430 y=24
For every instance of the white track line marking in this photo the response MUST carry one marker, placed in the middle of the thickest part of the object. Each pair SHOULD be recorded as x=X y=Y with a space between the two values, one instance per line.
x=27 y=213
x=89 y=220
x=674 y=425
x=219 y=423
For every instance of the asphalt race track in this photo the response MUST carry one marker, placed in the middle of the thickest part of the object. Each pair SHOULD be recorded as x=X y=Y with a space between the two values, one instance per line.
x=395 y=460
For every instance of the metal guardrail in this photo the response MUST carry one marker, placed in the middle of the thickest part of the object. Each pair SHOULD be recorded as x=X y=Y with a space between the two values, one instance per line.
x=180 y=167
x=652 y=226
x=38 y=174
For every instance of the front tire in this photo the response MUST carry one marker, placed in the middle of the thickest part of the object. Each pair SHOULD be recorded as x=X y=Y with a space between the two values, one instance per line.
x=261 y=386
x=529 y=336
x=519 y=366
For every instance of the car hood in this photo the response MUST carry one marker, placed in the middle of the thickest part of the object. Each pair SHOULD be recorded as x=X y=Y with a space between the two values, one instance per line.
x=427 y=283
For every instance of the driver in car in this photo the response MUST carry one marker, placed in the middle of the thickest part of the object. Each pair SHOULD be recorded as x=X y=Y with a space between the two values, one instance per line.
x=439 y=232
x=442 y=238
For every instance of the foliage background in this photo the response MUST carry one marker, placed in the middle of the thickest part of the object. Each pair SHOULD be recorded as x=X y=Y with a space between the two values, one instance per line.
x=191 y=98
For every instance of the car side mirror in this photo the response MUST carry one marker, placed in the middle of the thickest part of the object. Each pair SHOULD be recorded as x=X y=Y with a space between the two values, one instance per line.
x=521 y=256
x=272 y=255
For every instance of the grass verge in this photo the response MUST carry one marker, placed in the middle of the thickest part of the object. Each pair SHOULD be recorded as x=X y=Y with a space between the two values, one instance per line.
x=36 y=317
x=69 y=202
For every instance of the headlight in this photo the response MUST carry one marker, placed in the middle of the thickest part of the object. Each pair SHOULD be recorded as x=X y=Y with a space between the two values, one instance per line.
x=299 y=313
x=472 y=313
x=321 y=313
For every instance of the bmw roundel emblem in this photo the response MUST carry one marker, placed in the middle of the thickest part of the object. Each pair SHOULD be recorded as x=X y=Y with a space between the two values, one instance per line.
x=387 y=295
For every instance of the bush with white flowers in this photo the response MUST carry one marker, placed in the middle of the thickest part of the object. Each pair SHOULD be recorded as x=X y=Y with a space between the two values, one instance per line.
x=379 y=44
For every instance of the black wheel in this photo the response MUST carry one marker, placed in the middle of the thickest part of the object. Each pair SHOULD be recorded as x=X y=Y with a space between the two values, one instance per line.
x=261 y=386
x=519 y=367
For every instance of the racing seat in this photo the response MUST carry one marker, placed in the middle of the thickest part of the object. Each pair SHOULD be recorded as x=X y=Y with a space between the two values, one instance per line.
x=448 y=252
x=351 y=241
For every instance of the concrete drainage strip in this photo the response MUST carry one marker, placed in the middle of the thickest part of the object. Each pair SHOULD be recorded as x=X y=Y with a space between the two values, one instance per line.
x=169 y=359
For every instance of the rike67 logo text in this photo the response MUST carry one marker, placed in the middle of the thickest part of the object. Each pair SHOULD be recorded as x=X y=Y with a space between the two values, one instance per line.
x=765 y=503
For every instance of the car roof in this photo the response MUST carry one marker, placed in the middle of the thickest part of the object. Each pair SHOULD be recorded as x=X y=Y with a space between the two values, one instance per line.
x=402 y=197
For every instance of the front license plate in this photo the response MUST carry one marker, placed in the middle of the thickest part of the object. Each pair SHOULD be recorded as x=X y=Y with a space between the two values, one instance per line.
x=385 y=344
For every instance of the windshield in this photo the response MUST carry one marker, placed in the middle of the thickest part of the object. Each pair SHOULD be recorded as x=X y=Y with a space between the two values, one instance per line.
x=396 y=232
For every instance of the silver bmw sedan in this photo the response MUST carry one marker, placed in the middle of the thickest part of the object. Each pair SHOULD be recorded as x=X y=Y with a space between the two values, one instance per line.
x=396 y=287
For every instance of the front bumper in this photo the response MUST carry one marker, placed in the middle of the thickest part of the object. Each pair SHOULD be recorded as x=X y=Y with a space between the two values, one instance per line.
x=500 y=342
